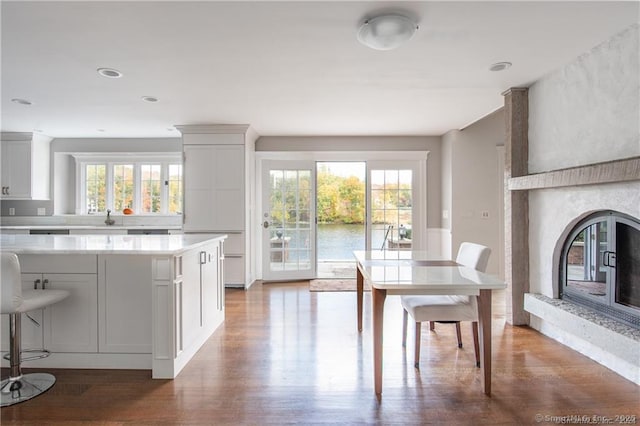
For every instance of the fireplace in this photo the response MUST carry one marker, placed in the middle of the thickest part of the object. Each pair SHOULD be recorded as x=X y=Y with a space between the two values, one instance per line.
x=600 y=266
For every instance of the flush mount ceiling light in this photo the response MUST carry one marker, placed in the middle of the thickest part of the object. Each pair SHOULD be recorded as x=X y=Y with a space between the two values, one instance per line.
x=500 y=66
x=386 y=32
x=20 y=101
x=109 y=72
x=150 y=99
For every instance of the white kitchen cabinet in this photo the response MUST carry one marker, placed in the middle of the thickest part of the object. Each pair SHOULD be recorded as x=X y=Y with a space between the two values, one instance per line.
x=67 y=326
x=192 y=309
x=71 y=325
x=25 y=167
x=125 y=325
x=218 y=182
x=213 y=187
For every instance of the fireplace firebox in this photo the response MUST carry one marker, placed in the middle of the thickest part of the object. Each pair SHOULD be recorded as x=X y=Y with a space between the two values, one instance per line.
x=600 y=266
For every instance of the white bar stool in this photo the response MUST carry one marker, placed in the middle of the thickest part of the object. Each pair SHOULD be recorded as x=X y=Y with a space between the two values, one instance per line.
x=14 y=302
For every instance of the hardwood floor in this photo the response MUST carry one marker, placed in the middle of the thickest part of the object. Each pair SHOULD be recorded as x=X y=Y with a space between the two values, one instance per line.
x=287 y=355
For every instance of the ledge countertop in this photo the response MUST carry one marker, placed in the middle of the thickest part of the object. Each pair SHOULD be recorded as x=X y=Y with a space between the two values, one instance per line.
x=105 y=244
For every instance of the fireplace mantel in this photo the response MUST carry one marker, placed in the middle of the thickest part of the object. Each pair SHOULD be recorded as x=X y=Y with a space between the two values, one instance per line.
x=624 y=170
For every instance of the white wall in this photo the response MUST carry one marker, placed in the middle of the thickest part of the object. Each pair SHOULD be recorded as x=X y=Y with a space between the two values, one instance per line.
x=588 y=111
x=474 y=186
x=584 y=113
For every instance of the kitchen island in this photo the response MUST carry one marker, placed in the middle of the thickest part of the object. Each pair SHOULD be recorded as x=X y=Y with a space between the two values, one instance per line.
x=136 y=301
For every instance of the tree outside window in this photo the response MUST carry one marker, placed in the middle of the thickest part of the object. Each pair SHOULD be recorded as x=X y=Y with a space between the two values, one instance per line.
x=151 y=175
x=123 y=186
x=96 y=188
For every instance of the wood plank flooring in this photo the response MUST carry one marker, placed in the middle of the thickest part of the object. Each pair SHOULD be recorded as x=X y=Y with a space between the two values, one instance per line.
x=289 y=356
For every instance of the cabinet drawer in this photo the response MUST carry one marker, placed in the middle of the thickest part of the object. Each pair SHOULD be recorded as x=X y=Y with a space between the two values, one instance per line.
x=59 y=263
x=234 y=244
x=233 y=270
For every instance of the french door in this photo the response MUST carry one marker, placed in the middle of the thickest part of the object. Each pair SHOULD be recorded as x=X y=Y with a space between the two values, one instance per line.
x=396 y=199
x=288 y=220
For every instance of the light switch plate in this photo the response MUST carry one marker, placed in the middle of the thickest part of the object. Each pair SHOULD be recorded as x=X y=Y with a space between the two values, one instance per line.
x=12 y=211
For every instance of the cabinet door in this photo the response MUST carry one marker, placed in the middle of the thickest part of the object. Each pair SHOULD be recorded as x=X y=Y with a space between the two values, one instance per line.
x=211 y=297
x=192 y=319
x=71 y=325
x=16 y=169
x=126 y=325
x=214 y=187
x=32 y=334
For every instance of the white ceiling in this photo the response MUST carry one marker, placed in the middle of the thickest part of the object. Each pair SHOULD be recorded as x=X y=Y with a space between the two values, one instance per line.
x=286 y=68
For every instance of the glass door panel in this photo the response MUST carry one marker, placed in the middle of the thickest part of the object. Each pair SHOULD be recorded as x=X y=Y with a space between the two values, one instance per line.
x=392 y=207
x=288 y=221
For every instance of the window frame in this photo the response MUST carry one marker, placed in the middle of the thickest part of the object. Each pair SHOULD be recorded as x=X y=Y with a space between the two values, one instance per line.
x=137 y=160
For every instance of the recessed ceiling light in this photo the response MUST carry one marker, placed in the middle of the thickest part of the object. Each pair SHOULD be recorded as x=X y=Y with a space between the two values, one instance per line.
x=100 y=130
x=109 y=72
x=500 y=66
x=386 y=32
x=21 y=101
x=150 y=99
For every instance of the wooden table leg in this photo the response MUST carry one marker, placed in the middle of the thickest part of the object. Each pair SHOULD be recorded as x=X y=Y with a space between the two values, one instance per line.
x=359 y=295
x=484 y=323
x=377 y=297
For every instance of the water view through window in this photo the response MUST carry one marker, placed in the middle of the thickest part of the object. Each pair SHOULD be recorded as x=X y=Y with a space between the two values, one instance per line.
x=341 y=208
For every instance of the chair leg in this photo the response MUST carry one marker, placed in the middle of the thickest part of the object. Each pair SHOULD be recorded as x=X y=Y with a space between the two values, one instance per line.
x=432 y=325
x=459 y=334
x=476 y=346
x=20 y=387
x=417 y=345
x=404 y=328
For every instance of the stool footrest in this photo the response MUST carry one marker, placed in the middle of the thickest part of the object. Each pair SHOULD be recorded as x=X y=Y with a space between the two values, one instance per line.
x=37 y=354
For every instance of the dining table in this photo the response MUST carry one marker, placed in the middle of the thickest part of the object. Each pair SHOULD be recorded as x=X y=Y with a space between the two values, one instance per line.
x=407 y=272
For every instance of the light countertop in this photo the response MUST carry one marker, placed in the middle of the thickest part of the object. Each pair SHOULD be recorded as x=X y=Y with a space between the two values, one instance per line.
x=105 y=244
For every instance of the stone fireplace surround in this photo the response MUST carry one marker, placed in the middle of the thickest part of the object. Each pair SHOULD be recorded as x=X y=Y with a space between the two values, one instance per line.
x=572 y=147
x=557 y=202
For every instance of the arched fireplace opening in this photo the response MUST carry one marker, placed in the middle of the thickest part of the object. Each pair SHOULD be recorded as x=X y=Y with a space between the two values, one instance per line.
x=600 y=265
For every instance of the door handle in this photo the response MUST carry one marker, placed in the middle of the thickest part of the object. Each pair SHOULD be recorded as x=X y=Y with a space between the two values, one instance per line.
x=35 y=284
x=44 y=283
x=265 y=224
x=608 y=257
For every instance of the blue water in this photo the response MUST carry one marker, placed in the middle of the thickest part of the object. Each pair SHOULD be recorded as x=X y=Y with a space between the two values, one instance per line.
x=337 y=242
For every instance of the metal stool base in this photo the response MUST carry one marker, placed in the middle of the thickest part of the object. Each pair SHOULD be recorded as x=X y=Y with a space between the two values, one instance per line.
x=26 y=387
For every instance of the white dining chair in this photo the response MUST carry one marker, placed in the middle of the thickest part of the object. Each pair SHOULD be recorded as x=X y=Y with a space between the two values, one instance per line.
x=447 y=309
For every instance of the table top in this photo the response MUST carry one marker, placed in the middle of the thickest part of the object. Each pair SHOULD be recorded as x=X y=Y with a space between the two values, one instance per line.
x=403 y=272
x=104 y=244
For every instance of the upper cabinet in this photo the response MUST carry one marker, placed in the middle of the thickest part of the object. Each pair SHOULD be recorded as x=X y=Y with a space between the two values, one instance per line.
x=25 y=166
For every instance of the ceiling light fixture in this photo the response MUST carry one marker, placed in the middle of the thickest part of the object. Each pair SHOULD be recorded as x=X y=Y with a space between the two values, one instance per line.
x=149 y=99
x=109 y=72
x=21 y=101
x=500 y=66
x=386 y=32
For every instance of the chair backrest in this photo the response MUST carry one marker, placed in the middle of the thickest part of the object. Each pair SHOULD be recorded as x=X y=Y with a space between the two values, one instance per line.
x=10 y=284
x=474 y=256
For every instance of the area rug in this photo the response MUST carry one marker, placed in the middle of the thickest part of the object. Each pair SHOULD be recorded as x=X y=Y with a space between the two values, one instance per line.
x=334 y=285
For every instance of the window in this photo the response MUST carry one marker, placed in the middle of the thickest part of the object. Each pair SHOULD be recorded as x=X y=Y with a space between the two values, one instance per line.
x=95 y=193
x=145 y=183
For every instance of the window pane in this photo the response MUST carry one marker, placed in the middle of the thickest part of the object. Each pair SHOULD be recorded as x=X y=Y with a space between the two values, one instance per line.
x=122 y=186
x=150 y=191
x=175 y=188
x=96 y=188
